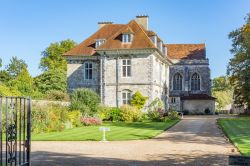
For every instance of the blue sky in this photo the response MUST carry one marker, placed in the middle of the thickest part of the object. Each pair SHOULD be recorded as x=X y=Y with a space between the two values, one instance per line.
x=28 y=27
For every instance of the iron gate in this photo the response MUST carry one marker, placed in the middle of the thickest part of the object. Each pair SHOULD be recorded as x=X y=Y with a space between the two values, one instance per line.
x=15 y=136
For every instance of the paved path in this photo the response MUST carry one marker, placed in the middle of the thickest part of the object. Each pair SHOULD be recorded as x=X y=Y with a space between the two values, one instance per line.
x=196 y=140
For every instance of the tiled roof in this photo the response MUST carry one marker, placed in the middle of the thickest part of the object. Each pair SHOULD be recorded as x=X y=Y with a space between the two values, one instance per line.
x=87 y=47
x=113 y=35
x=140 y=39
x=198 y=97
x=186 y=51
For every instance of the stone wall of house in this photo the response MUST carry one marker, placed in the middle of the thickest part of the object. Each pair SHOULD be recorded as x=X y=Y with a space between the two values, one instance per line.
x=145 y=77
x=75 y=74
x=198 y=106
x=187 y=68
x=114 y=83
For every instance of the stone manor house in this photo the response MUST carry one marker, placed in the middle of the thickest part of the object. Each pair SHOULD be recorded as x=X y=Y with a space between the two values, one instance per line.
x=120 y=59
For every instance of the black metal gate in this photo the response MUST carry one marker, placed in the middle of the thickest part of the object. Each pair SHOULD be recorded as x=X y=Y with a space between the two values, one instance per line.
x=15 y=136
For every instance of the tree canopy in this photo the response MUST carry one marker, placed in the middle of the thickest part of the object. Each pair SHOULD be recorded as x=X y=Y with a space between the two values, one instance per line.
x=239 y=66
x=15 y=67
x=222 y=90
x=52 y=56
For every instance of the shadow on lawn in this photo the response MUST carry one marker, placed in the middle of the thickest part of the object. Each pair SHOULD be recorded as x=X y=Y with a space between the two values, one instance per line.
x=43 y=158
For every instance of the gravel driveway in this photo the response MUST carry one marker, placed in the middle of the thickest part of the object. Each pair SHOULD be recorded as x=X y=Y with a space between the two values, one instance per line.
x=196 y=140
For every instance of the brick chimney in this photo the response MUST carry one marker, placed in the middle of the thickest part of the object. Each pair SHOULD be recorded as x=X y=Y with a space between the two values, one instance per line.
x=143 y=21
x=101 y=24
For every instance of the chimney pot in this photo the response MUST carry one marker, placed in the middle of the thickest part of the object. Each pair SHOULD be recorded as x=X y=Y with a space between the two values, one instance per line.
x=101 y=24
x=143 y=21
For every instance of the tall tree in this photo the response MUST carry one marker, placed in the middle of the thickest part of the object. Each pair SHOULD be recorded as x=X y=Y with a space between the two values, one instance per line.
x=51 y=80
x=239 y=65
x=52 y=56
x=23 y=82
x=15 y=67
x=222 y=90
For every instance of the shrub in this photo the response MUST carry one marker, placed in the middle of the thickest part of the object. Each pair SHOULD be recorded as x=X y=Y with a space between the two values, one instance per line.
x=155 y=110
x=156 y=114
x=73 y=119
x=207 y=111
x=57 y=117
x=90 y=121
x=173 y=115
x=103 y=112
x=138 y=100
x=48 y=118
x=85 y=100
x=8 y=91
x=57 y=96
x=130 y=113
x=115 y=114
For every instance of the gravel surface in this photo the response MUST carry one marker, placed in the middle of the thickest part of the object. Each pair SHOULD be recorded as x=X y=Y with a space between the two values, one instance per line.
x=196 y=140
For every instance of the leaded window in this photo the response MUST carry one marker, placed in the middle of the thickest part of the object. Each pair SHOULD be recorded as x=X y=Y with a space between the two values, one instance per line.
x=126 y=96
x=195 y=82
x=177 y=82
x=88 y=71
x=126 y=67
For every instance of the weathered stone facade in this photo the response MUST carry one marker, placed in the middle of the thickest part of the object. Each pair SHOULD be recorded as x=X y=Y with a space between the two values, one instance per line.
x=186 y=68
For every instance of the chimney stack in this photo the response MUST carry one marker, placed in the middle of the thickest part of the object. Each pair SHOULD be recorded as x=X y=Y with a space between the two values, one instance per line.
x=143 y=21
x=101 y=24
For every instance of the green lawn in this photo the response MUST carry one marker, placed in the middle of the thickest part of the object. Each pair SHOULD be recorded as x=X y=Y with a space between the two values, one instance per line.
x=119 y=131
x=238 y=131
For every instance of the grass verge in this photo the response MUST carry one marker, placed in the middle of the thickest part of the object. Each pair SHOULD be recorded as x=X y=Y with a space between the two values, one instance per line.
x=238 y=131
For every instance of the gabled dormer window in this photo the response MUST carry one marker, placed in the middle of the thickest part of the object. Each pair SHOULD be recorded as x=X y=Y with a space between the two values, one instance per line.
x=127 y=38
x=99 y=42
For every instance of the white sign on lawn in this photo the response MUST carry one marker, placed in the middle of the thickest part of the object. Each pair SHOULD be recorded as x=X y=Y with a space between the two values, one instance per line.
x=104 y=129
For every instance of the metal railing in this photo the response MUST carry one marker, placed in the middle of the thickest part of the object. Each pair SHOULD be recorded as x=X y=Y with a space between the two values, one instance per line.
x=15 y=136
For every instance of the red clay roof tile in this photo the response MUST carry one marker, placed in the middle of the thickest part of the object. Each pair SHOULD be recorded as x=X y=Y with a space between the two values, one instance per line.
x=186 y=51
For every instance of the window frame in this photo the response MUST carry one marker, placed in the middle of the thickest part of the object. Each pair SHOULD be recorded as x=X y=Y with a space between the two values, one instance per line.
x=88 y=71
x=126 y=96
x=99 y=42
x=195 y=82
x=127 y=38
x=128 y=68
x=178 y=82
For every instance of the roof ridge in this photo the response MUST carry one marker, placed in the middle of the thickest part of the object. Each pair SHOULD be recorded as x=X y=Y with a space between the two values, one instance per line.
x=151 y=42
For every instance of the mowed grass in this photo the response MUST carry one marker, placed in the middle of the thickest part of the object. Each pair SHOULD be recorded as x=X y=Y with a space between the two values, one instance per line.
x=119 y=131
x=238 y=131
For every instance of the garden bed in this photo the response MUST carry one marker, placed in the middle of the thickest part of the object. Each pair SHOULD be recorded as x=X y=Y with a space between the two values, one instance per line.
x=119 y=131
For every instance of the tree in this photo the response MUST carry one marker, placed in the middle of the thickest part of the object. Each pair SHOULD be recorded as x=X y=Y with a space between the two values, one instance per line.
x=138 y=100
x=51 y=80
x=221 y=83
x=239 y=66
x=1 y=63
x=222 y=90
x=15 y=67
x=52 y=56
x=23 y=82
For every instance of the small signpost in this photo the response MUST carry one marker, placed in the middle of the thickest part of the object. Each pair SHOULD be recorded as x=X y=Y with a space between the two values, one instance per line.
x=239 y=160
x=104 y=129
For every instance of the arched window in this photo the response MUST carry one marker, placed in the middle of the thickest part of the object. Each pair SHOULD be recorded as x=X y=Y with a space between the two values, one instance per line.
x=177 y=82
x=195 y=82
x=126 y=96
